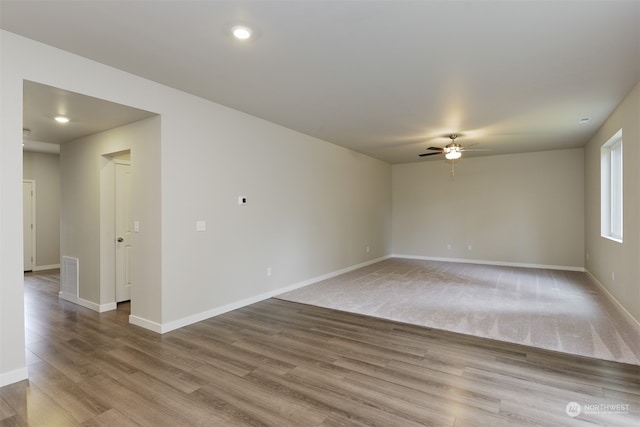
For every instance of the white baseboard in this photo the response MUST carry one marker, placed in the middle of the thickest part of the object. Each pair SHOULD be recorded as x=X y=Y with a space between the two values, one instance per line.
x=14 y=376
x=615 y=301
x=486 y=262
x=147 y=324
x=195 y=318
x=198 y=317
x=46 y=267
x=329 y=275
x=100 y=308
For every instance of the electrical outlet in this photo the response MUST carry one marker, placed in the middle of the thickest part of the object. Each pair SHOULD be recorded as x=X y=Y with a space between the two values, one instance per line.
x=367 y=249
x=268 y=271
x=470 y=247
x=449 y=246
x=242 y=200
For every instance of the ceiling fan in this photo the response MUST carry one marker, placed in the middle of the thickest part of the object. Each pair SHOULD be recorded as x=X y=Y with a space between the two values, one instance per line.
x=451 y=151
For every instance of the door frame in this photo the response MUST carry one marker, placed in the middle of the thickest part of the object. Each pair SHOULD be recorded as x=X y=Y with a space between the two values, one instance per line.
x=108 y=230
x=33 y=220
x=120 y=162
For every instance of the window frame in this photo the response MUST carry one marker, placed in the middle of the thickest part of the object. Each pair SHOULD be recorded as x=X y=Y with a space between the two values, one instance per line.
x=612 y=188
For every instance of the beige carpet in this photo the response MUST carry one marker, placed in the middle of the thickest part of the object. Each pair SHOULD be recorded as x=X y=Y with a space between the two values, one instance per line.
x=556 y=310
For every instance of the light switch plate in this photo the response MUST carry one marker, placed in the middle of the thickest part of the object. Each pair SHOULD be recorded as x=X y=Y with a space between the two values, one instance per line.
x=201 y=225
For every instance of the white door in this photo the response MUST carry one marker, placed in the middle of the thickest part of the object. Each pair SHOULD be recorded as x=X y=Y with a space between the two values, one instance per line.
x=28 y=231
x=123 y=225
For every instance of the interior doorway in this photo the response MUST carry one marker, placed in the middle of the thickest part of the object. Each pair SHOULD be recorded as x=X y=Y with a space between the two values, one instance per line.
x=123 y=229
x=83 y=235
x=28 y=223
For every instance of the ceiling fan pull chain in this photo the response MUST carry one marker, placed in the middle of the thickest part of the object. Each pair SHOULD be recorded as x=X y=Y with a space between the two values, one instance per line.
x=453 y=172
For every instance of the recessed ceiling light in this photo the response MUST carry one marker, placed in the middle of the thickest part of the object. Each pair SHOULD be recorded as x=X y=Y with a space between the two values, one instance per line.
x=62 y=119
x=241 y=32
x=584 y=120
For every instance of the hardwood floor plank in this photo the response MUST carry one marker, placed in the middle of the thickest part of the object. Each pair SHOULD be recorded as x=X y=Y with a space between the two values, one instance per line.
x=524 y=414
x=227 y=352
x=33 y=407
x=65 y=392
x=328 y=397
x=337 y=420
x=208 y=355
x=542 y=385
x=401 y=406
x=173 y=400
x=180 y=379
x=6 y=410
x=109 y=365
x=237 y=415
x=76 y=365
x=284 y=348
x=431 y=406
x=110 y=418
x=11 y=422
x=260 y=402
x=277 y=363
x=428 y=382
x=161 y=350
x=625 y=397
x=136 y=406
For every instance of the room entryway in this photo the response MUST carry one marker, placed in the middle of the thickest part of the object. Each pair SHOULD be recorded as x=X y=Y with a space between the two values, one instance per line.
x=28 y=222
x=123 y=230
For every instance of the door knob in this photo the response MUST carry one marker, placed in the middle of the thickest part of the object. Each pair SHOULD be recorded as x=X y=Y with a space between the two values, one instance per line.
x=120 y=239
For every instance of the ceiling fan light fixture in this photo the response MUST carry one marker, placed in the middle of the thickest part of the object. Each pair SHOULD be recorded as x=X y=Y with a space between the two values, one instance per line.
x=452 y=150
x=62 y=119
x=453 y=155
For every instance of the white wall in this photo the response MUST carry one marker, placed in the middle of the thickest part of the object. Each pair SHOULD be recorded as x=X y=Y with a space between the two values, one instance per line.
x=87 y=218
x=522 y=209
x=606 y=256
x=12 y=354
x=45 y=170
x=313 y=207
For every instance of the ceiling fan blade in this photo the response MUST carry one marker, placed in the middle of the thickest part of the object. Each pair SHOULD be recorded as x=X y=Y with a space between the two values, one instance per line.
x=435 y=148
x=475 y=149
x=429 y=154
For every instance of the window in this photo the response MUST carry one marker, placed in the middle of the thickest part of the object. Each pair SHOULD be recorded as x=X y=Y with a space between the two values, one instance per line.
x=611 y=188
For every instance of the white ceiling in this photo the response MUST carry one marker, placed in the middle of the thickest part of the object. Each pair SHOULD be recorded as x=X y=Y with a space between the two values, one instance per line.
x=385 y=78
x=87 y=116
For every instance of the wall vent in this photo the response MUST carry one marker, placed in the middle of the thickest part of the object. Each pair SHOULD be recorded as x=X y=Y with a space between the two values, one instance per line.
x=69 y=276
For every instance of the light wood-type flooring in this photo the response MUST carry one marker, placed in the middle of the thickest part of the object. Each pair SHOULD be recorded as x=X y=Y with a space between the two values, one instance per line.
x=563 y=311
x=280 y=363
